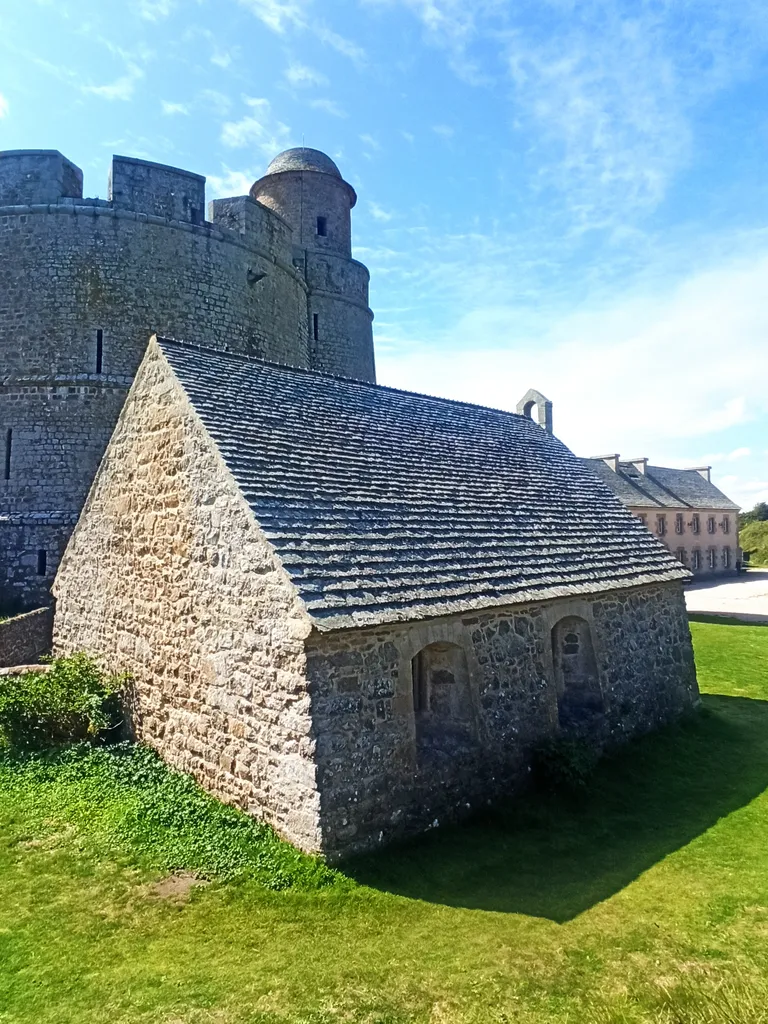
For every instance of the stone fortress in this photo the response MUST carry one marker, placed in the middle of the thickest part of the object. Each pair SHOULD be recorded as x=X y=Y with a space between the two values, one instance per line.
x=85 y=282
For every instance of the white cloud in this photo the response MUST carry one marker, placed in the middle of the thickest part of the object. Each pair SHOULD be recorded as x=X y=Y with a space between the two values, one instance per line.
x=282 y=15
x=222 y=58
x=279 y=15
x=300 y=75
x=444 y=130
x=377 y=212
x=370 y=142
x=408 y=136
x=122 y=88
x=173 y=108
x=258 y=128
x=231 y=183
x=4 y=107
x=346 y=47
x=329 y=107
x=155 y=10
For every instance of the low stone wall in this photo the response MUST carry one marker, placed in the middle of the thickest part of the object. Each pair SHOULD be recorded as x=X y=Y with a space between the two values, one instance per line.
x=25 y=638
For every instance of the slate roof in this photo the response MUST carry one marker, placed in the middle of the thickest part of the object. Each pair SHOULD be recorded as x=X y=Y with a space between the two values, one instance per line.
x=385 y=505
x=661 y=487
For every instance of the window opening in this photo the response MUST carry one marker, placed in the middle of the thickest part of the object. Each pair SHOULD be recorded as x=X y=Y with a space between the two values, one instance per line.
x=315 y=326
x=679 y=527
x=726 y=524
x=726 y=558
x=99 y=350
x=712 y=558
x=322 y=226
x=696 y=559
x=42 y=562
x=8 y=446
x=661 y=525
x=711 y=524
x=579 y=697
x=681 y=557
x=695 y=524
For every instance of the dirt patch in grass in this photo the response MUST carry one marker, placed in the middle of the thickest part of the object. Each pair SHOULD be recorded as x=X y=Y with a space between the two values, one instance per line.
x=177 y=887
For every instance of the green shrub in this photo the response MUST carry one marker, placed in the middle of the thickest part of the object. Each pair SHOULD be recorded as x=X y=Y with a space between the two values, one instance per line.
x=564 y=764
x=74 y=700
x=754 y=540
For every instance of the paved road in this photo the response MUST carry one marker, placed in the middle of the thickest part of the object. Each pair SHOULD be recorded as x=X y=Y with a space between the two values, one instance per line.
x=744 y=597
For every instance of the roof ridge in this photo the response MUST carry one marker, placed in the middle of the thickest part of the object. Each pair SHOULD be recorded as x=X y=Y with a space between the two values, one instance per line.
x=324 y=375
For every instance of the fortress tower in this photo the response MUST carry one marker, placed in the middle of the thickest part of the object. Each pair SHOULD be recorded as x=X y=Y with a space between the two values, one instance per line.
x=85 y=282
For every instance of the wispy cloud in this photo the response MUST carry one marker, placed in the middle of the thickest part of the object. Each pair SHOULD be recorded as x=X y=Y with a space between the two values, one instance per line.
x=607 y=88
x=279 y=15
x=4 y=107
x=232 y=182
x=370 y=142
x=259 y=127
x=302 y=76
x=443 y=130
x=284 y=15
x=173 y=108
x=329 y=107
x=121 y=89
x=378 y=212
x=155 y=10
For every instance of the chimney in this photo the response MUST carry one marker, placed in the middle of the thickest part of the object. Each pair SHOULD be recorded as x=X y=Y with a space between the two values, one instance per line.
x=705 y=471
x=611 y=461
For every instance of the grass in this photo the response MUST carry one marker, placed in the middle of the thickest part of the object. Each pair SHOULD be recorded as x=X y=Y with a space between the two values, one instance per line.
x=646 y=900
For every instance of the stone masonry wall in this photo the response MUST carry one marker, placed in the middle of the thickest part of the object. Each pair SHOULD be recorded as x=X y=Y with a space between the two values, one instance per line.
x=376 y=783
x=24 y=639
x=171 y=580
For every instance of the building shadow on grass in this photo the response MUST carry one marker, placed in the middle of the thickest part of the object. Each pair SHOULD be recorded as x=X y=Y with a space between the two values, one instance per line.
x=555 y=857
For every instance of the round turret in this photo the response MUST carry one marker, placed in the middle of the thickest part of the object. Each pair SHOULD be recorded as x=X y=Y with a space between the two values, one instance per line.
x=305 y=187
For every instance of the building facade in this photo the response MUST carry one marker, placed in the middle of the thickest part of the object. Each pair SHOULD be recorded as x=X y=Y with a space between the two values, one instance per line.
x=85 y=282
x=355 y=611
x=682 y=507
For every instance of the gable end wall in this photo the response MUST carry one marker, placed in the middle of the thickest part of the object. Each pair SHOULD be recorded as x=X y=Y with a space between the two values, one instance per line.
x=167 y=576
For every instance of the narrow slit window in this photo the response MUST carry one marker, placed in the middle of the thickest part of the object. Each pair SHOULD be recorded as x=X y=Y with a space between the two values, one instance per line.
x=315 y=326
x=8 y=446
x=99 y=350
x=42 y=562
x=322 y=226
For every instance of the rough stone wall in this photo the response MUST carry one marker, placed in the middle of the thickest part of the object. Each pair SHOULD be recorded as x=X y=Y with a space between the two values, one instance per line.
x=23 y=537
x=24 y=639
x=338 y=296
x=171 y=579
x=376 y=784
x=161 y=191
x=37 y=176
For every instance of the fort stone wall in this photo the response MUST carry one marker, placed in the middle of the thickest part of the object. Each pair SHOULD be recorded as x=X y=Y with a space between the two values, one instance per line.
x=85 y=282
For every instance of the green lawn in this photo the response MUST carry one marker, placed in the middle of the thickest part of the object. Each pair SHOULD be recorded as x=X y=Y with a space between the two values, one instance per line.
x=645 y=900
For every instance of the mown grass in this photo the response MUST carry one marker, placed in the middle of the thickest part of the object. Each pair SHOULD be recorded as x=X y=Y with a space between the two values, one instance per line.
x=645 y=900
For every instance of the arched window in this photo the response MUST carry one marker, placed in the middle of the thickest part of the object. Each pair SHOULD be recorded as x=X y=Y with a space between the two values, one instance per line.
x=579 y=697
x=442 y=704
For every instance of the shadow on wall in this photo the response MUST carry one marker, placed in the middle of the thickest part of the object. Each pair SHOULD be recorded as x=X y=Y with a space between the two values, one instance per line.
x=555 y=857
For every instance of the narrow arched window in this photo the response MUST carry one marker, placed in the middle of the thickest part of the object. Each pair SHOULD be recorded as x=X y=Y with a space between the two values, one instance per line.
x=322 y=226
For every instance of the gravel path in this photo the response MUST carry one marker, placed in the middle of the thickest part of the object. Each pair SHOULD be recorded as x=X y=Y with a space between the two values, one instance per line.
x=743 y=597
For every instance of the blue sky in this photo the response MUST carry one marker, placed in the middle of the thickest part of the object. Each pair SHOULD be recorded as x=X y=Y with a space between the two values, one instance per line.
x=570 y=195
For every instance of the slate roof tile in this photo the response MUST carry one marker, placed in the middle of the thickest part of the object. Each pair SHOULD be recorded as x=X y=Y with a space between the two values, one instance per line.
x=386 y=505
x=661 y=487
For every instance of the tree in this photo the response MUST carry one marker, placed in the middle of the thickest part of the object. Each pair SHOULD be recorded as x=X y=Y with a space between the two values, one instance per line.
x=759 y=514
